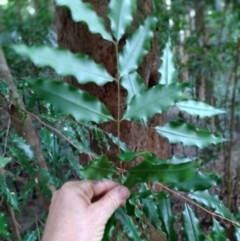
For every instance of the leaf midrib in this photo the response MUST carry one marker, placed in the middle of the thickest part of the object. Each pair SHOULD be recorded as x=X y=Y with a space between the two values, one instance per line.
x=74 y=103
x=157 y=99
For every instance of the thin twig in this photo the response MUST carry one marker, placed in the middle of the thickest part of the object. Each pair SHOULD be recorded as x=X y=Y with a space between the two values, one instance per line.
x=36 y=220
x=197 y=205
x=59 y=133
x=6 y=139
x=14 y=223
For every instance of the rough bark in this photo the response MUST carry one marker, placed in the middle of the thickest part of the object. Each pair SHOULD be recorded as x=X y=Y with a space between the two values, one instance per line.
x=77 y=38
x=200 y=30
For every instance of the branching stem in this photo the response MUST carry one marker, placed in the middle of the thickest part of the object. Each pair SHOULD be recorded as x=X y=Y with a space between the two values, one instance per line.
x=60 y=134
x=197 y=205
x=118 y=78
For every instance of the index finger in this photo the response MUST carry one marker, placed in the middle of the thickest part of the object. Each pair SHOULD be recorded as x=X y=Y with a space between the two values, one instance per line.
x=93 y=189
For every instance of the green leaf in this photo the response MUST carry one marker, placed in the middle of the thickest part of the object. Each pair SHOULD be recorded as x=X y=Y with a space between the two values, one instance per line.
x=129 y=156
x=120 y=13
x=150 y=210
x=212 y=202
x=65 y=63
x=27 y=190
x=99 y=169
x=10 y=197
x=199 y=182
x=70 y=100
x=152 y=101
x=84 y=12
x=51 y=145
x=191 y=225
x=201 y=109
x=167 y=216
x=75 y=165
x=164 y=171
x=31 y=236
x=4 y=229
x=114 y=139
x=218 y=232
x=109 y=229
x=133 y=206
x=4 y=161
x=136 y=47
x=22 y=145
x=129 y=227
x=23 y=160
x=167 y=68
x=188 y=135
x=133 y=83
x=47 y=177
x=237 y=233
x=70 y=133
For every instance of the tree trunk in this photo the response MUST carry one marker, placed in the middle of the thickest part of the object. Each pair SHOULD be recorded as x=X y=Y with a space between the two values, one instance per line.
x=77 y=38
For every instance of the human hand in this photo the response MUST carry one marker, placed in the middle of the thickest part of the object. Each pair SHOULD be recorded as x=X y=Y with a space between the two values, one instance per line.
x=80 y=210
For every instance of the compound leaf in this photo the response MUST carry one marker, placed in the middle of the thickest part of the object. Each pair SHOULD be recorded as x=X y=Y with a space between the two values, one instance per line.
x=120 y=13
x=201 y=109
x=187 y=134
x=65 y=63
x=84 y=12
x=152 y=101
x=167 y=68
x=136 y=47
x=99 y=169
x=70 y=100
x=191 y=225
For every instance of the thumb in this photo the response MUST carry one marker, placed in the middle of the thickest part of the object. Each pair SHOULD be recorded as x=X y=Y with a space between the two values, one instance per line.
x=111 y=201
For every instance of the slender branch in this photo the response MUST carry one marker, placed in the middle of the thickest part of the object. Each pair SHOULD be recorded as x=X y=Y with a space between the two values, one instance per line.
x=147 y=129
x=59 y=134
x=14 y=224
x=118 y=106
x=15 y=178
x=118 y=99
x=197 y=205
x=6 y=139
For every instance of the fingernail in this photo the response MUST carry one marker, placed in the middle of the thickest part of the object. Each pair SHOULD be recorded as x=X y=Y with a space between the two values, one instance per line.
x=123 y=193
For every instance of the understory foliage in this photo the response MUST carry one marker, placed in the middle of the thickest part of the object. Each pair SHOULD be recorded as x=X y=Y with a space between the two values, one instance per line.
x=70 y=113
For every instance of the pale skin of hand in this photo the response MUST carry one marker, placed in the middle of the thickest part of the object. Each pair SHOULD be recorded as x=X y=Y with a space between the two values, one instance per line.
x=80 y=210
